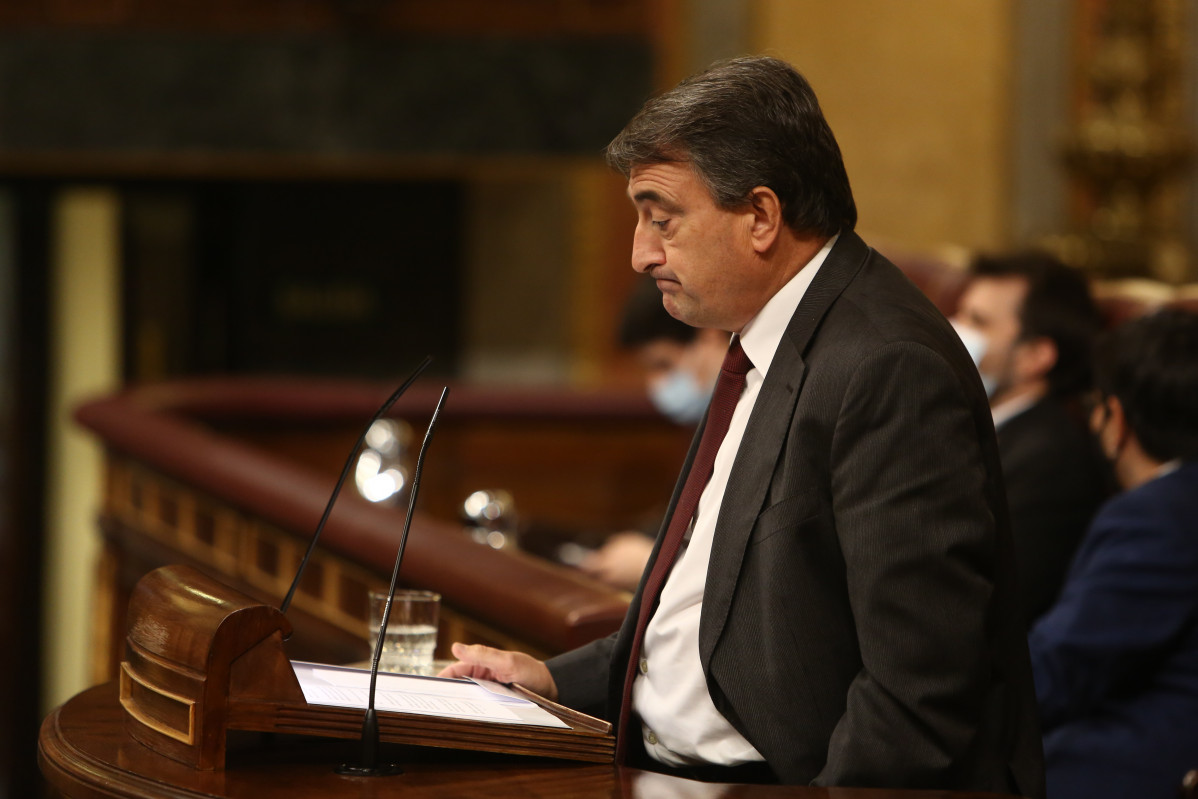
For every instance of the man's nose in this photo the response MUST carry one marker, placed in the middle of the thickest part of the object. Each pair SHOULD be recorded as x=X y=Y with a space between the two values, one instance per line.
x=646 y=250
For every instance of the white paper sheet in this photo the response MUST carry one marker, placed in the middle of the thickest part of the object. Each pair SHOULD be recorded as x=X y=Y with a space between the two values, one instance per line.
x=476 y=700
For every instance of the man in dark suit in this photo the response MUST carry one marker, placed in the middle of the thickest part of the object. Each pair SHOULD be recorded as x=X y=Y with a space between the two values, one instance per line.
x=1029 y=321
x=1116 y=659
x=840 y=607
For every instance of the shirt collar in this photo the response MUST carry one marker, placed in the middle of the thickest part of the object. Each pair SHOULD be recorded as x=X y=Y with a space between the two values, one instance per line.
x=761 y=336
x=1006 y=411
x=1168 y=467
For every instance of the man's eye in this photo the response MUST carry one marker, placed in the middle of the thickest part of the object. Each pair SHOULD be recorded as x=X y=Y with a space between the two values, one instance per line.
x=660 y=224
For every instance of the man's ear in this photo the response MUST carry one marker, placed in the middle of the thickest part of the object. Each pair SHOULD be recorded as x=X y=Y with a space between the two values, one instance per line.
x=766 y=218
x=1115 y=406
x=1116 y=430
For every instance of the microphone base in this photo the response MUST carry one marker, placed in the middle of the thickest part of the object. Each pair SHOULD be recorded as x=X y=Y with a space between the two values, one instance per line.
x=355 y=770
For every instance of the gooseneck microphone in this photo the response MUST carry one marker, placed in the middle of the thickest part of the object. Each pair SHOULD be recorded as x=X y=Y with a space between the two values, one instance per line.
x=386 y=406
x=370 y=767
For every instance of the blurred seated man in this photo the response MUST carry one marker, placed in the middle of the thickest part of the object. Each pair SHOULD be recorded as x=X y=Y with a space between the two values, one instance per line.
x=1116 y=659
x=680 y=364
x=1029 y=322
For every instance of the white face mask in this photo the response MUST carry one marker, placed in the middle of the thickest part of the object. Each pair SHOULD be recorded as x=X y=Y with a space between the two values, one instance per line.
x=976 y=345
x=680 y=397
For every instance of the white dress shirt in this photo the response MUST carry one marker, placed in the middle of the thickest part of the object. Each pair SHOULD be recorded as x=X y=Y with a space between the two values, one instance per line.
x=680 y=723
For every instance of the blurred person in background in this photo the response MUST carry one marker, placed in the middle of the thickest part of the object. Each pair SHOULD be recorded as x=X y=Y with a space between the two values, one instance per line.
x=1116 y=658
x=1029 y=322
x=680 y=362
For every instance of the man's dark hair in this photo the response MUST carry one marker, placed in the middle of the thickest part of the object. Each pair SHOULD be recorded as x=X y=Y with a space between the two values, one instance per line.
x=1058 y=306
x=645 y=319
x=1151 y=365
x=741 y=124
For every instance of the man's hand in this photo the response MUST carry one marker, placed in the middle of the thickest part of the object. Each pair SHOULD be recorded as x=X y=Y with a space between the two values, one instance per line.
x=500 y=665
x=620 y=561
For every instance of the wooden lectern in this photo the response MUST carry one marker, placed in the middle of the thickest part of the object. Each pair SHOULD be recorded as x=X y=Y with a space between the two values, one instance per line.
x=203 y=659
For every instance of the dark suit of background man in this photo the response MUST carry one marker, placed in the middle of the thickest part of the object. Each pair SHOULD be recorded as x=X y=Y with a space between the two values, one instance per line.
x=1030 y=322
x=843 y=613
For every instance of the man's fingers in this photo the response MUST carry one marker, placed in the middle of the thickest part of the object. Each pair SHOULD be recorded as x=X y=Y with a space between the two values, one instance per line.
x=472 y=652
x=484 y=662
x=488 y=663
x=461 y=669
x=479 y=655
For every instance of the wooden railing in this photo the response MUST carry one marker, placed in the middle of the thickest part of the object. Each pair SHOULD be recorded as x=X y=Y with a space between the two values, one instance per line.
x=231 y=476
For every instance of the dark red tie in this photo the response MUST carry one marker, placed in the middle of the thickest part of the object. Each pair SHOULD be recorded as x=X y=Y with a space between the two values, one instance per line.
x=719 y=415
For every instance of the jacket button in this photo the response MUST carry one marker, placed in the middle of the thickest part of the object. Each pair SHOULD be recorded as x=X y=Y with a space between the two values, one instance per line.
x=644 y=665
x=651 y=737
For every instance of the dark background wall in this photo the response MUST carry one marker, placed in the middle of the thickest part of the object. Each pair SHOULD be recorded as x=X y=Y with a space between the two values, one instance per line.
x=293 y=180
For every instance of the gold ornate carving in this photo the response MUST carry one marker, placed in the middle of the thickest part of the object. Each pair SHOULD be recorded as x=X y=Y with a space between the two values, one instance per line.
x=1126 y=155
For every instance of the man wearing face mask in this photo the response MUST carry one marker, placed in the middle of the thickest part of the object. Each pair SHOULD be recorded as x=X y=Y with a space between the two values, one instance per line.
x=1116 y=659
x=680 y=364
x=1029 y=321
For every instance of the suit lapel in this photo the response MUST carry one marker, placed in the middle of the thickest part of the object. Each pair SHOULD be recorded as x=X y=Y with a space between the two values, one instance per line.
x=765 y=437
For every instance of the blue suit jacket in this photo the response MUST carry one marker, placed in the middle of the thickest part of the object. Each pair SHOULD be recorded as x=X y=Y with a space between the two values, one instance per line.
x=1116 y=659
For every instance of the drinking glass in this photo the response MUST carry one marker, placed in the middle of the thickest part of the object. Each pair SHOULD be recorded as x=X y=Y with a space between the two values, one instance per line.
x=411 y=630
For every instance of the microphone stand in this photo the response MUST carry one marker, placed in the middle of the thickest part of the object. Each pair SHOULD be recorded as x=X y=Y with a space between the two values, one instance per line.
x=370 y=766
x=386 y=406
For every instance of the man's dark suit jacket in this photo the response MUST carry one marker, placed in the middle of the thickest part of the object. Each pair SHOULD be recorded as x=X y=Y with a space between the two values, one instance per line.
x=1116 y=659
x=859 y=625
x=1055 y=479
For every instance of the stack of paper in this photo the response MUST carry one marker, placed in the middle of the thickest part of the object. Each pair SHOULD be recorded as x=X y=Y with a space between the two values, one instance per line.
x=475 y=700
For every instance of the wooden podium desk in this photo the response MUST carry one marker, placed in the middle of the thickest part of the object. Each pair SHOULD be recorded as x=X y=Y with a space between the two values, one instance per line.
x=85 y=753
